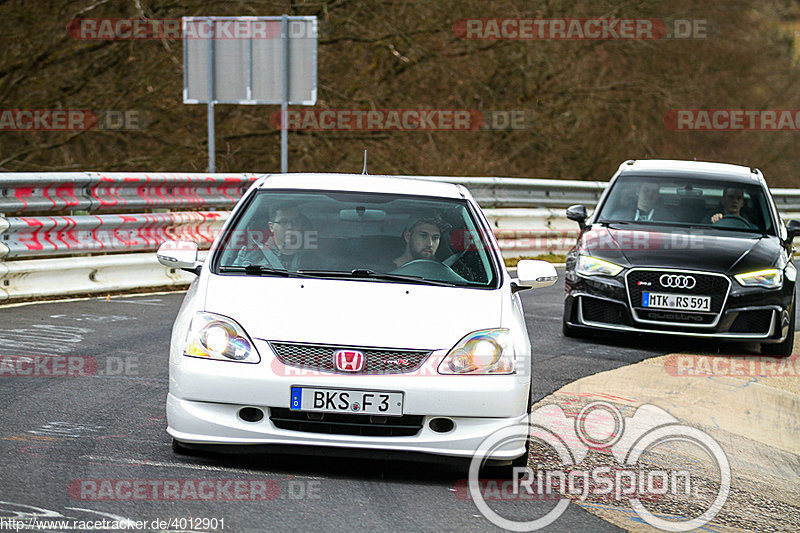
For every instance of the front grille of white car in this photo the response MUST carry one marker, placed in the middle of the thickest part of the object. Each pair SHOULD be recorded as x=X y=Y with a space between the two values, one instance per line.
x=376 y=360
x=346 y=424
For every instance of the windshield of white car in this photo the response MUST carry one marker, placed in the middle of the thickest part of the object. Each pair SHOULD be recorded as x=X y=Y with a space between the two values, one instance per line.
x=696 y=203
x=358 y=235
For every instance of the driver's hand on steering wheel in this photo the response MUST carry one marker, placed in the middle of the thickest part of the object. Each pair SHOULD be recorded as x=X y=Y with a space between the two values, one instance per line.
x=716 y=217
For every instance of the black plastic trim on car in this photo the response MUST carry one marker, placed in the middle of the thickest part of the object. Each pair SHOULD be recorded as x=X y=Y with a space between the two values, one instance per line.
x=346 y=424
x=635 y=329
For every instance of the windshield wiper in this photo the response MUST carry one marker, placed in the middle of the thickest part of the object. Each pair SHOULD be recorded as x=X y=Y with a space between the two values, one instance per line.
x=364 y=273
x=257 y=270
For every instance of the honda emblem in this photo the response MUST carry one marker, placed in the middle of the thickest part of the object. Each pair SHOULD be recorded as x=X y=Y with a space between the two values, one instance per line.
x=348 y=360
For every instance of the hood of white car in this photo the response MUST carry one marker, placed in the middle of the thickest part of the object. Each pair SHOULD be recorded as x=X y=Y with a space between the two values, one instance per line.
x=353 y=313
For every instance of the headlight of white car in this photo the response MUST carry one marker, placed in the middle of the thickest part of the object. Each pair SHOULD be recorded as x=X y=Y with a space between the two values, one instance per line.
x=488 y=351
x=770 y=278
x=592 y=266
x=218 y=337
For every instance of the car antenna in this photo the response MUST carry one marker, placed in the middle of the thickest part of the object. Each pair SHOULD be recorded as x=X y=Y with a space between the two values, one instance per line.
x=364 y=171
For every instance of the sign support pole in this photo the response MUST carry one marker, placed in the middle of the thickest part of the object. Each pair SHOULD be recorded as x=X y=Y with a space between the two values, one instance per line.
x=211 y=96
x=284 y=94
x=211 y=146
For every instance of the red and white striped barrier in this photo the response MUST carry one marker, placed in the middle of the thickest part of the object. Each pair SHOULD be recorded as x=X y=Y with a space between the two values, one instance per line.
x=65 y=235
x=32 y=193
x=119 y=191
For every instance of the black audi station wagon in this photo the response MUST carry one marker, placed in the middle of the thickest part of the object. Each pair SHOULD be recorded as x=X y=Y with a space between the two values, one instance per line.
x=684 y=248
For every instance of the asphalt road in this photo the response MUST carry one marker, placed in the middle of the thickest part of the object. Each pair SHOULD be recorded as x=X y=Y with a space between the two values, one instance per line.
x=72 y=446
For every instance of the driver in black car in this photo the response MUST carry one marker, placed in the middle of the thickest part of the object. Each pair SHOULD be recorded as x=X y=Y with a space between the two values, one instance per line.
x=732 y=203
x=422 y=239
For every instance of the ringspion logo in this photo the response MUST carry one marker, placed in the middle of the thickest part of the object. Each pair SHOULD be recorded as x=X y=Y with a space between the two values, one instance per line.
x=601 y=427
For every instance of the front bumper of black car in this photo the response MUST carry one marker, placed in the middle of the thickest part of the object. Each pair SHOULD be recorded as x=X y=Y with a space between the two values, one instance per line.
x=737 y=313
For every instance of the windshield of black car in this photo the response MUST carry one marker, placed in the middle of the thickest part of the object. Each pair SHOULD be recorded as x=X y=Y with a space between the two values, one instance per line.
x=700 y=203
x=358 y=236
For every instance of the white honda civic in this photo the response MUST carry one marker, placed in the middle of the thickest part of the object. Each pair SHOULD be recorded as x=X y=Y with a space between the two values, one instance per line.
x=351 y=312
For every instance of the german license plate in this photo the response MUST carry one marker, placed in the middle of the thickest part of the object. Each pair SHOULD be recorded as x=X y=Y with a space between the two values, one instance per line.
x=684 y=302
x=367 y=402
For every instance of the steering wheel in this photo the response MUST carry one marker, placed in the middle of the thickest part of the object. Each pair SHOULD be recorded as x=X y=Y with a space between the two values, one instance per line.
x=429 y=269
x=735 y=221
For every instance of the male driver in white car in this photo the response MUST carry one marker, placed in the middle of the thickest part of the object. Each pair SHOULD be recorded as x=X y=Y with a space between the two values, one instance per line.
x=422 y=239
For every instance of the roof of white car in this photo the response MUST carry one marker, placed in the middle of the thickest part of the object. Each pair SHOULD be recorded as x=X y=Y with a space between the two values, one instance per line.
x=360 y=182
x=667 y=166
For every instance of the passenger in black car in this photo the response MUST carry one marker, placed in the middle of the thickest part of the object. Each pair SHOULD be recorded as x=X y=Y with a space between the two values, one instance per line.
x=648 y=205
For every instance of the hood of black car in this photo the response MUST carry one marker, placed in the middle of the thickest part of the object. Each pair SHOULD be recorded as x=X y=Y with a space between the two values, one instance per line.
x=716 y=251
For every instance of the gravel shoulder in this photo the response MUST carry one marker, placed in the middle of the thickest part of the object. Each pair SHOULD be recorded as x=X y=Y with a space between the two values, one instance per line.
x=748 y=404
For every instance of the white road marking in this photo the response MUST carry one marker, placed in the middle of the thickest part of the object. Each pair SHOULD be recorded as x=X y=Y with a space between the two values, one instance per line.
x=41 y=339
x=86 y=317
x=154 y=301
x=66 y=429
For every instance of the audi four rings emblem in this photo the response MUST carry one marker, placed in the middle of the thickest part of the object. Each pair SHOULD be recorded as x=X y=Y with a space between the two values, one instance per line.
x=676 y=281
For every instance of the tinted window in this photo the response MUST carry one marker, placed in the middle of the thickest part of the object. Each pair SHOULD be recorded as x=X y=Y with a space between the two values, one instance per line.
x=696 y=202
x=433 y=239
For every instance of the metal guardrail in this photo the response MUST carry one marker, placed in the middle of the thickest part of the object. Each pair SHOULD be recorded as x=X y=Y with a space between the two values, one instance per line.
x=49 y=222
x=527 y=192
x=29 y=192
x=30 y=195
x=64 y=235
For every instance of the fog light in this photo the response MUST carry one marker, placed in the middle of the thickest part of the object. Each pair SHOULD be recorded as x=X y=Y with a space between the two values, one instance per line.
x=441 y=425
x=251 y=414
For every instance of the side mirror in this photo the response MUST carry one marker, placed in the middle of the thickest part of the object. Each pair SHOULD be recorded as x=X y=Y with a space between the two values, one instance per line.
x=793 y=229
x=179 y=254
x=578 y=214
x=534 y=274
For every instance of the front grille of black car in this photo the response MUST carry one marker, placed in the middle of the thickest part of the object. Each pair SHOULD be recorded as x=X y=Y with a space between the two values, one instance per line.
x=757 y=321
x=376 y=360
x=679 y=317
x=714 y=285
x=603 y=311
x=346 y=424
